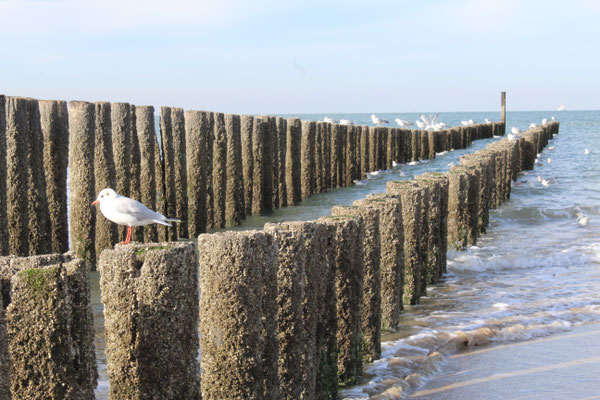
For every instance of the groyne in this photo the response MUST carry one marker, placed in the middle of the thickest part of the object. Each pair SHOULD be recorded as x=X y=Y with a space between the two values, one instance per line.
x=293 y=310
x=382 y=253
x=209 y=169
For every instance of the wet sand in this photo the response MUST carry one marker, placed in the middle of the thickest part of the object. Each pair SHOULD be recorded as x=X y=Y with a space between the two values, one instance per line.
x=561 y=366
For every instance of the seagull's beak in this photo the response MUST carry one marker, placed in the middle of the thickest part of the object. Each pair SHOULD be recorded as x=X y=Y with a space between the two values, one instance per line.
x=96 y=202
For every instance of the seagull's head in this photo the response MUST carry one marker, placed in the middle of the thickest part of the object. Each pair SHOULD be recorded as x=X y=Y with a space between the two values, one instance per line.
x=105 y=195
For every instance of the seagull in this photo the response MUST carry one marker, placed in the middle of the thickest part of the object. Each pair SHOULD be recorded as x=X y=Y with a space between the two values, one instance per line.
x=582 y=219
x=511 y=136
x=346 y=122
x=330 y=120
x=467 y=123
x=586 y=152
x=551 y=148
x=402 y=122
x=552 y=118
x=420 y=124
x=533 y=125
x=515 y=130
x=378 y=121
x=487 y=121
x=548 y=160
x=125 y=211
x=544 y=121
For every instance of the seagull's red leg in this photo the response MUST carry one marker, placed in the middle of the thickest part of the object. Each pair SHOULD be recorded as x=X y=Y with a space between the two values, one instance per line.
x=128 y=238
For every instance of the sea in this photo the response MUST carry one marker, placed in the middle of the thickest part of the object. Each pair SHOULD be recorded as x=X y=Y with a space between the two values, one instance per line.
x=533 y=280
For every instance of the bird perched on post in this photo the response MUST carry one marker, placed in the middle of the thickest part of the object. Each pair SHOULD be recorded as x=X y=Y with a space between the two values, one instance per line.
x=129 y=212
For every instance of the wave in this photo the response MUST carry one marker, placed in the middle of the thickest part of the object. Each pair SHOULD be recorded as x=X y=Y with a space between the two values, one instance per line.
x=406 y=364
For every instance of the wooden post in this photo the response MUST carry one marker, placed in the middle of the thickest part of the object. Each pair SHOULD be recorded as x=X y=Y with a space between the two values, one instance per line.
x=503 y=105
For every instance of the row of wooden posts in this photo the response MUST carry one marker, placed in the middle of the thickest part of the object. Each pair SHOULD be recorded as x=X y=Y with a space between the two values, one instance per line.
x=209 y=169
x=290 y=311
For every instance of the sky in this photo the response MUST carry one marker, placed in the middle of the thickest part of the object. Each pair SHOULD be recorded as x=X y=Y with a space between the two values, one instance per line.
x=285 y=57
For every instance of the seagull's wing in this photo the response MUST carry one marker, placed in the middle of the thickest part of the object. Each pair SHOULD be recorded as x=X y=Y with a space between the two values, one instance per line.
x=136 y=209
x=423 y=118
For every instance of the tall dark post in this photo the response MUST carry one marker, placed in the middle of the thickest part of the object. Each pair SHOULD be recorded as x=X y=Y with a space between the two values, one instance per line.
x=503 y=104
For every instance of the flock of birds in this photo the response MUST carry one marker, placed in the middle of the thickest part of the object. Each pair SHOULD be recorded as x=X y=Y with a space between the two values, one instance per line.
x=427 y=122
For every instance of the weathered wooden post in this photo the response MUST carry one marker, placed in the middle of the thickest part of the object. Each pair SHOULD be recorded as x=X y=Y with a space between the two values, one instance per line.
x=196 y=130
x=234 y=203
x=392 y=255
x=371 y=293
x=55 y=127
x=364 y=152
x=291 y=279
x=239 y=350
x=348 y=235
x=219 y=170
x=412 y=206
x=39 y=218
x=49 y=328
x=81 y=180
x=146 y=135
x=282 y=147
x=307 y=164
x=293 y=161
x=180 y=168
x=350 y=150
x=135 y=171
x=120 y=114
x=150 y=297
x=168 y=171
x=262 y=191
x=247 y=127
x=3 y=206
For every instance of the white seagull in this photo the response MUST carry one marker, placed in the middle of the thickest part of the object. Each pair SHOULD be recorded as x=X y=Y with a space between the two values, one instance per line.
x=582 y=219
x=515 y=130
x=378 y=121
x=544 y=121
x=533 y=125
x=487 y=121
x=420 y=124
x=330 y=120
x=402 y=122
x=586 y=152
x=125 y=211
x=346 y=122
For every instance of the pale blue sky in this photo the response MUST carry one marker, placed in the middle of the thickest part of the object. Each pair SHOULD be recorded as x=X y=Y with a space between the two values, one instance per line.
x=305 y=56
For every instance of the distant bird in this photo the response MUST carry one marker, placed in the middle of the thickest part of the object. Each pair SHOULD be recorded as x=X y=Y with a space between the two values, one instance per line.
x=533 y=125
x=420 y=124
x=586 y=152
x=125 y=211
x=402 y=122
x=548 y=160
x=487 y=121
x=551 y=148
x=544 y=121
x=552 y=118
x=515 y=130
x=512 y=136
x=467 y=123
x=330 y=120
x=346 y=122
x=378 y=121
x=582 y=219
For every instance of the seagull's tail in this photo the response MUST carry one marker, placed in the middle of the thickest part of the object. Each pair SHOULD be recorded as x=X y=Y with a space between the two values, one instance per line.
x=166 y=220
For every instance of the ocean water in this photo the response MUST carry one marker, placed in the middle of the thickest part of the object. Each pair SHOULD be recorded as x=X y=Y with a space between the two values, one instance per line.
x=536 y=273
